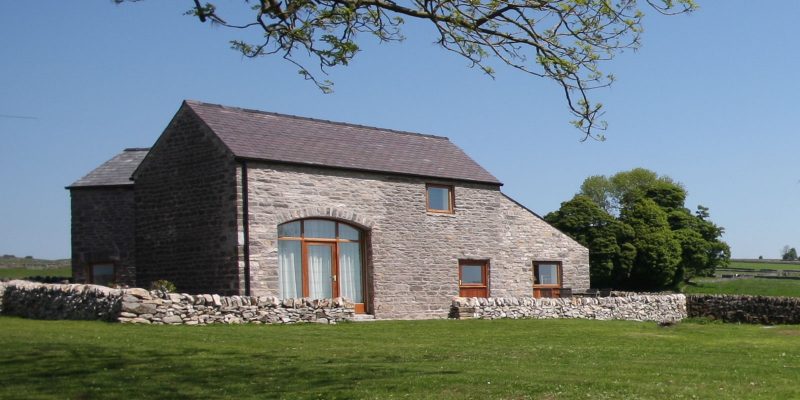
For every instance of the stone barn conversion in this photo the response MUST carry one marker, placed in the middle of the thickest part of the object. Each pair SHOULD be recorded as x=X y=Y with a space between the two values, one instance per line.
x=242 y=202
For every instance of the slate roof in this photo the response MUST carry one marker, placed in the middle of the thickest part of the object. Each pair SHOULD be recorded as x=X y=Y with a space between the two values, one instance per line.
x=114 y=172
x=260 y=135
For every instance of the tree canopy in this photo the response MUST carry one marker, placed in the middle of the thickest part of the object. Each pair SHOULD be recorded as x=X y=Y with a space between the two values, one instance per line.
x=566 y=41
x=789 y=254
x=651 y=241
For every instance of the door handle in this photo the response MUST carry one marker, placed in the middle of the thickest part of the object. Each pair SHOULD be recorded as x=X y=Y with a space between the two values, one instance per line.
x=333 y=277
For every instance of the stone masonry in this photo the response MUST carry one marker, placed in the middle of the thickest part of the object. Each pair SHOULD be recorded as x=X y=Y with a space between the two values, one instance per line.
x=745 y=309
x=660 y=308
x=208 y=209
x=103 y=231
x=139 y=306
x=186 y=211
x=412 y=259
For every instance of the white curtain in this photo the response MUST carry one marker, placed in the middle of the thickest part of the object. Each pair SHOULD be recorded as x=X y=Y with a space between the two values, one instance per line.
x=290 y=268
x=350 y=272
x=319 y=271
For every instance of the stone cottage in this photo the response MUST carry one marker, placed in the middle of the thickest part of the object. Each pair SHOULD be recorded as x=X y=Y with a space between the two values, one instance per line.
x=245 y=202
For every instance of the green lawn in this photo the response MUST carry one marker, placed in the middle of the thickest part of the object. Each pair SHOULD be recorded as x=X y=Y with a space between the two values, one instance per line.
x=19 y=273
x=754 y=286
x=505 y=359
x=764 y=265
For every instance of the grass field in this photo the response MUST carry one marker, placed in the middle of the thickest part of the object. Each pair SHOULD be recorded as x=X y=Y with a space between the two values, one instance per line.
x=19 y=273
x=754 y=286
x=524 y=359
x=764 y=265
x=32 y=263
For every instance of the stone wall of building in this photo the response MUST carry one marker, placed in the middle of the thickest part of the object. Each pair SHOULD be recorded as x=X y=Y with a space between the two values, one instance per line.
x=412 y=255
x=103 y=221
x=92 y=302
x=745 y=309
x=185 y=193
x=661 y=308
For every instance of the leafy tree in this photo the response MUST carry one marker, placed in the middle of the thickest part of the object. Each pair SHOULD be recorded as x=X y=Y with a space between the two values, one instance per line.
x=653 y=243
x=610 y=193
x=790 y=254
x=566 y=41
x=610 y=256
x=658 y=252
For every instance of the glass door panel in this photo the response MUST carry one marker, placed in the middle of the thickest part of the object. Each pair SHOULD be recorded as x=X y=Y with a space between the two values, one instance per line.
x=350 y=285
x=320 y=270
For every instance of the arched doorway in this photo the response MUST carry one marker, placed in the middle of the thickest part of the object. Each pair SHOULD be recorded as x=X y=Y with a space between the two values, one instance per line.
x=321 y=258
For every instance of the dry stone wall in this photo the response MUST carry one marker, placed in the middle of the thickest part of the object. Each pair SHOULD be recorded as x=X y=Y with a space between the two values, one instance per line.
x=661 y=308
x=746 y=309
x=92 y=302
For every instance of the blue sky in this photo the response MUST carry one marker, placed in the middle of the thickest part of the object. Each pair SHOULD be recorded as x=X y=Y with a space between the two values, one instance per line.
x=709 y=100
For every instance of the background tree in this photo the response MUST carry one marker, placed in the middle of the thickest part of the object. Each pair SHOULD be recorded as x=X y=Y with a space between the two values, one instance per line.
x=651 y=242
x=610 y=255
x=563 y=40
x=789 y=254
x=610 y=192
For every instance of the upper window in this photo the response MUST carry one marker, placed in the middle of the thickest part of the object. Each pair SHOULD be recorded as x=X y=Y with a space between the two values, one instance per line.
x=439 y=198
x=547 y=274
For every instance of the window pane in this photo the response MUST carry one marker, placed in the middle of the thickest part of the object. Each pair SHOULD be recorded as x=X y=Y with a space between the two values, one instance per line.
x=350 y=272
x=319 y=228
x=347 y=232
x=289 y=269
x=547 y=274
x=439 y=198
x=472 y=274
x=289 y=229
x=319 y=271
x=102 y=274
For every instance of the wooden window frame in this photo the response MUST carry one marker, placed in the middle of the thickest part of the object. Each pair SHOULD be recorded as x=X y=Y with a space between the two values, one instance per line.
x=452 y=198
x=485 y=273
x=334 y=243
x=560 y=274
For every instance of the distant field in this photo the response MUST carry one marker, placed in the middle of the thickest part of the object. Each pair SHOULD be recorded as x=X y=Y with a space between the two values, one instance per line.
x=20 y=273
x=753 y=287
x=764 y=265
x=32 y=263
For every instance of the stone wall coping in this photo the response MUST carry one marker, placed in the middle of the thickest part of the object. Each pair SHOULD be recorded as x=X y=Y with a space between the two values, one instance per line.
x=641 y=307
x=137 y=305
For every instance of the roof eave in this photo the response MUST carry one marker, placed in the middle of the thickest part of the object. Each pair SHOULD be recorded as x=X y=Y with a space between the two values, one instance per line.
x=339 y=168
x=116 y=185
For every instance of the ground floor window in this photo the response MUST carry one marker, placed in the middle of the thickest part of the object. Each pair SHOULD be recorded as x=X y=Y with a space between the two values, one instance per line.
x=320 y=258
x=473 y=278
x=102 y=274
x=546 y=279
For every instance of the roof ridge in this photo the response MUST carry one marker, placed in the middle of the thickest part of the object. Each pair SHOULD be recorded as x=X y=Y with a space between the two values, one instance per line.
x=251 y=110
x=137 y=149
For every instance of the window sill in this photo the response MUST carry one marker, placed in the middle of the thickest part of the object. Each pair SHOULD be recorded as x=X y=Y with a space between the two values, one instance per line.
x=440 y=214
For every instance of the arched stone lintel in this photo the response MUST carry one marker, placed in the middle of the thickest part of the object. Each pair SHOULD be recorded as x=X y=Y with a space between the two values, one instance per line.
x=336 y=213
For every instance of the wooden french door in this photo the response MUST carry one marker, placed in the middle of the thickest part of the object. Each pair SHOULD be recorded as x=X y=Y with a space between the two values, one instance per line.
x=473 y=278
x=320 y=268
x=328 y=275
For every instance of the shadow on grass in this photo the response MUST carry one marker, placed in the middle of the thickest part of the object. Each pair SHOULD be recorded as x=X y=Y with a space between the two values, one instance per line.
x=189 y=371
